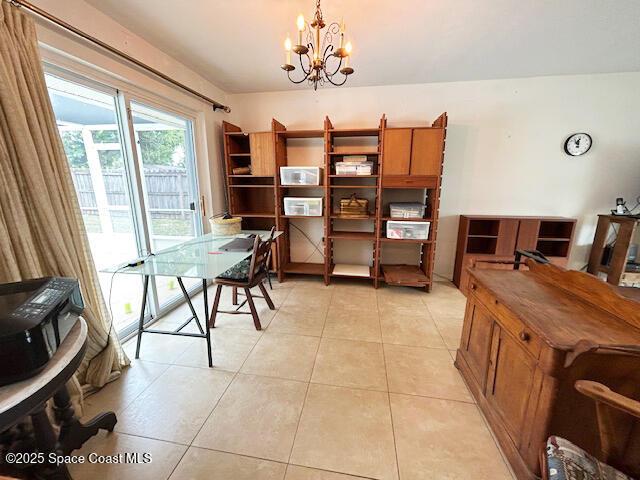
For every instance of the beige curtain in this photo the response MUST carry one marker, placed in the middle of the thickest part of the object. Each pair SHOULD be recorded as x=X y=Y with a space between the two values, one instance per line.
x=41 y=229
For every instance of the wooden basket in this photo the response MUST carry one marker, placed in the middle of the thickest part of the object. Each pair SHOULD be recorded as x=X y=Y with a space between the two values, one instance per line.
x=221 y=226
x=354 y=207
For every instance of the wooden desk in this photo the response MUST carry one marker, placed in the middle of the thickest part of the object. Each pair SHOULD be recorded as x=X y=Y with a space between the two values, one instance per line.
x=527 y=337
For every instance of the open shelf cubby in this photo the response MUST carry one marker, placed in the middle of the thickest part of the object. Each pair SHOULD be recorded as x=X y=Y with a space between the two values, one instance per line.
x=483 y=245
x=484 y=228
x=553 y=248
x=555 y=229
x=252 y=200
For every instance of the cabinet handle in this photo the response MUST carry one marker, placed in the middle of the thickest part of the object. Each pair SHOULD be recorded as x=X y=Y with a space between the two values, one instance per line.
x=473 y=286
x=524 y=336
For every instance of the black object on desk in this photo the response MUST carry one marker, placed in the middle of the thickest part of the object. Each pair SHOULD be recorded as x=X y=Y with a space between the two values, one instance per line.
x=239 y=244
x=35 y=317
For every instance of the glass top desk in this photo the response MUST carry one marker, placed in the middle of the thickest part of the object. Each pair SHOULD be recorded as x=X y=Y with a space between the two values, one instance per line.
x=200 y=258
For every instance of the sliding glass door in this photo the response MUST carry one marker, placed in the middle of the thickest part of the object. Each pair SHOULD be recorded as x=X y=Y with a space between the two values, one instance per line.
x=165 y=151
x=136 y=184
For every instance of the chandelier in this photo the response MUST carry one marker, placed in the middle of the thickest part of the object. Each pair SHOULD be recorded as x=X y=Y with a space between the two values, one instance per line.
x=320 y=59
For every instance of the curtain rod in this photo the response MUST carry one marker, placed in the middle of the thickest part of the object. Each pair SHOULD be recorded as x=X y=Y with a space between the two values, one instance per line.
x=61 y=23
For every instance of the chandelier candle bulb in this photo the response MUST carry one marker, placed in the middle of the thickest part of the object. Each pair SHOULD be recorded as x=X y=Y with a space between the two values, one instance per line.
x=300 y=24
x=348 y=47
x=287 y=47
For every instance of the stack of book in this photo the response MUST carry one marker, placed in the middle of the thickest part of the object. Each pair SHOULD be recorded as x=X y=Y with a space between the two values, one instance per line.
x=354 y=165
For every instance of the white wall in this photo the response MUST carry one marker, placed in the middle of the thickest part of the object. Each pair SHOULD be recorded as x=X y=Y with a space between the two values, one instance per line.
x=68 y=51
x=504 y=142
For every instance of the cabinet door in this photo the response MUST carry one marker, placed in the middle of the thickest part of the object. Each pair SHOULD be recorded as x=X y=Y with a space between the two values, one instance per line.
x=263 y=157
x=510 y=381
x=476 y=340
x=397 y=151
x=426 y=151
x=528 y=234
x=507 y=235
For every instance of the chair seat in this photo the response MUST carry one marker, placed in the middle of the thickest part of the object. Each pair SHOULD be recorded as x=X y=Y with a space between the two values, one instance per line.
x=565 y=461
x=238 y=273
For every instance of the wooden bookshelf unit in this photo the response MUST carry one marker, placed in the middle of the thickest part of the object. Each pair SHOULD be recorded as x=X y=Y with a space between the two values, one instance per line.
x=484 y=238
x=407 y=167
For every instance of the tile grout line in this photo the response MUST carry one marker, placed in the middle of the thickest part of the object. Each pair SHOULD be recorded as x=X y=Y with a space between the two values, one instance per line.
x=235 y=375
x=306 y=394
x=386 y=373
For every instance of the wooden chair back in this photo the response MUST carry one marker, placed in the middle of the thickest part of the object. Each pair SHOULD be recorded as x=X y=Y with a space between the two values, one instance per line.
x=260 y=256
x=618 y=426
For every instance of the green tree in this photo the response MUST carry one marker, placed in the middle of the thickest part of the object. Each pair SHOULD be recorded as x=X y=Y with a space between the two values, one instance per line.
x=74 y=148
x=162 y=147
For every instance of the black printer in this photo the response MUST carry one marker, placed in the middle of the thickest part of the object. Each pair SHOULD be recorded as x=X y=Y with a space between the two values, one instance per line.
x=35 y=317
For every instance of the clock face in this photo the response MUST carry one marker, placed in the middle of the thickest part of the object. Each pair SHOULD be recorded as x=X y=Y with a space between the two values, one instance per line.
x=578 y=144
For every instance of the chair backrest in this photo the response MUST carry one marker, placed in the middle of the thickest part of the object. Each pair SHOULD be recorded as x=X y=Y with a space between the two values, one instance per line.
x=260 y=256
x=619 y=436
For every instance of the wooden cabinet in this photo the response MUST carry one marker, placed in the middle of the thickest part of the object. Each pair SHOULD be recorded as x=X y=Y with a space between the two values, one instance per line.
x=414 y=154
x=483 y=239
x=522 y=349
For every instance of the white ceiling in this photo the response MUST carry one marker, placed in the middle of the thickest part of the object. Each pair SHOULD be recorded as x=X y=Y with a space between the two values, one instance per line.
x=238 y=44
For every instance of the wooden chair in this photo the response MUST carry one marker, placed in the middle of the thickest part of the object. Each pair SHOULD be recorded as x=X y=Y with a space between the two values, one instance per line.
x=247 y=274
x=618 y=457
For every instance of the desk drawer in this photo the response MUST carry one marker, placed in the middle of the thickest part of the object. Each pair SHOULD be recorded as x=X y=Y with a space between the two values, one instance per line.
x=507 y=319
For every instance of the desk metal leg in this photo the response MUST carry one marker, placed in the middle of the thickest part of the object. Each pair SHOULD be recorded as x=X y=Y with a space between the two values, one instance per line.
x=205 y=294
x=204 y=333
x=141 y=321
x=194 y=315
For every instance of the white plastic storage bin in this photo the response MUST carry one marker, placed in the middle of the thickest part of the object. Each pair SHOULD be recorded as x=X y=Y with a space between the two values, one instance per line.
x=408 y=230
x=354 y=168
x=300 y=175
x=303 y=206
x=407 y=210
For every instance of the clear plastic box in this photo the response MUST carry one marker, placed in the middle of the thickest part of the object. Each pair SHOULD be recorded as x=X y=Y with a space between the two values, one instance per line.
x=407 y=210
x=303 y=206
x=300 y=175
x=408 y=230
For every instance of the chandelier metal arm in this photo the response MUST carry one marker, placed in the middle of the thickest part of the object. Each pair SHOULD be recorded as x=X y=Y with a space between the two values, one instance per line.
x=336 y=83
x=326 y=62
x=296 y=81
x=306 y=72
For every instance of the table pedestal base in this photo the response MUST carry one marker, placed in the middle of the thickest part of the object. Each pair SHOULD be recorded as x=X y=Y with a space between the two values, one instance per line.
x=42 y=439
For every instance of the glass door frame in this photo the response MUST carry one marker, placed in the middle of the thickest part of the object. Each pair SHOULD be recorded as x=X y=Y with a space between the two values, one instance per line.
x=134 y=173
x=137 y=166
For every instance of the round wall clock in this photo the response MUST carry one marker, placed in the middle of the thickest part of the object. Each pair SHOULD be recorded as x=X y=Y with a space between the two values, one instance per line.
x=578 y=144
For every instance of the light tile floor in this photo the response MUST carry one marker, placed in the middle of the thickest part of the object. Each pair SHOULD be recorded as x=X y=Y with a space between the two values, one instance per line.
x=344 y=382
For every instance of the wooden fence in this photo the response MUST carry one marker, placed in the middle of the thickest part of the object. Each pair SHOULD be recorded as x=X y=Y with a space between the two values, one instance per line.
x=167 y=190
